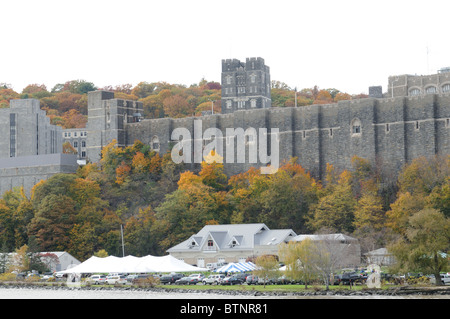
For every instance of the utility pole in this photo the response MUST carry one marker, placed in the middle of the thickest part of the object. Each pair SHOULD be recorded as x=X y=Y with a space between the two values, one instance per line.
x=212 y=106
x=295 y=96
x=123 y=247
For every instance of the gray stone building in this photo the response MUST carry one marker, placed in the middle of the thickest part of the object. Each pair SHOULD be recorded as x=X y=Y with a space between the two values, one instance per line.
x=109 y=119
x=245 y=86
x=417 y=85
x=389 y=132
x=31 y=147
x=26 y=130
x=390 y=129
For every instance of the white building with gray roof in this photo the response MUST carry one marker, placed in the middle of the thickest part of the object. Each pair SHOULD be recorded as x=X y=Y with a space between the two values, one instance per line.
x=230 y=243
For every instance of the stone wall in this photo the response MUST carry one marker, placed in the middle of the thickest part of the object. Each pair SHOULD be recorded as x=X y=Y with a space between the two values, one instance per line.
x=393 y=131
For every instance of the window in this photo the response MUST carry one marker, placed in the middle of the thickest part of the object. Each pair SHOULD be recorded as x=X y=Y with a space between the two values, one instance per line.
x=210 y=245
x=228 y=79
x=83 y=143
x=431 y=90
x=155 y=143
x=253 y=103
x=446 y=88
x=387 y=127
x=356 y=127
x=331 y=132
x=417 y=125
x=414 y=92
x=75 y=144
x=229 y=104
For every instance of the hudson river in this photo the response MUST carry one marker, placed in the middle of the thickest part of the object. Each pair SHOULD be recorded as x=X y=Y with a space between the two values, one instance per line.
x=27 y=293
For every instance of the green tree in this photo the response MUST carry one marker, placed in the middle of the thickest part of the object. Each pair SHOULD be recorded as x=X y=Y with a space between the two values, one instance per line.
x=52 y=223
x=424 y=246
x=267 y=268
x=336 y=209
x=298 y=257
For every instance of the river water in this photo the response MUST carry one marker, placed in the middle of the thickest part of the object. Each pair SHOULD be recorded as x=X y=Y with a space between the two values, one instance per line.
x=28 y=293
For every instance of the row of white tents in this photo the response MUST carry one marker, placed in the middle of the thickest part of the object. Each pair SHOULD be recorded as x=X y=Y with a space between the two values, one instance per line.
x=132 y=264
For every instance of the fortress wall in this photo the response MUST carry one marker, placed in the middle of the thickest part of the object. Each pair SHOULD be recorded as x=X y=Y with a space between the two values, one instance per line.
x=419 y=127
x=443 y=124
x=306 y=138
x=321 y=134
x=390 y=135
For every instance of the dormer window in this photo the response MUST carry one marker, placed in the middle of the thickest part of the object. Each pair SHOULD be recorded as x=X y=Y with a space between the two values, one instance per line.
x=192 y=243
x=233 y=242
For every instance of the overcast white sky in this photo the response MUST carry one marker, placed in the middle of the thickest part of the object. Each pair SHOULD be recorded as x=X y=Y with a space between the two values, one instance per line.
x=348 y=45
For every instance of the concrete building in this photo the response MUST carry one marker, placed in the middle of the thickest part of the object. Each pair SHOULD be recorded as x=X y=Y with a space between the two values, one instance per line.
x=230 y=243
x=26 y=130
x=27 y=171
x=31 y=147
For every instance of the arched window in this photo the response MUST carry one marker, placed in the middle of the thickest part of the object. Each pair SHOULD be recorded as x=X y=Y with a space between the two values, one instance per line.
x=155 y=143
x=414 y=92
x=446 y=88
x=431 y=90
x=356 y=127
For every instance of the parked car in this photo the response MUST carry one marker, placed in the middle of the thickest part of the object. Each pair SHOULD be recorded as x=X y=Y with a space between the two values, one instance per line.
x=116 y=279
x=251 y=280
x=170 y=279
x=213 y=279
x=231 y=280
x=187 y=281
x=445 y=278
x=97 y=279
x=351 y=278
x=266 y=281
x=241 y=276
x=199 y=277
x=48 y=276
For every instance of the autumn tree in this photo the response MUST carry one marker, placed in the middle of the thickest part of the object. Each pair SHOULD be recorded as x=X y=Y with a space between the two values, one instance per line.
x=53 y=221
x=335 y=209
x=298 y=258
x=267 y=268
x=423 y=246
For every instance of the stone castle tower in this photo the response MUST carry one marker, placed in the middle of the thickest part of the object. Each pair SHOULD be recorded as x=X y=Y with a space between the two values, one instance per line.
x=245 y=86
x=108 y=118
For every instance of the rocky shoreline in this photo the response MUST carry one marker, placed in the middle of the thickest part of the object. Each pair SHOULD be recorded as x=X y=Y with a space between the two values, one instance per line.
x=391 y=292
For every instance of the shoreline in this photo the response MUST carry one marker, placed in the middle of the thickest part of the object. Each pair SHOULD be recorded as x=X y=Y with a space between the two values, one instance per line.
x=390 y=292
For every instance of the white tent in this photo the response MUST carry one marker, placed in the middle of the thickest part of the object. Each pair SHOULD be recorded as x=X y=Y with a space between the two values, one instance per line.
x=237 y=267
x=132 y=264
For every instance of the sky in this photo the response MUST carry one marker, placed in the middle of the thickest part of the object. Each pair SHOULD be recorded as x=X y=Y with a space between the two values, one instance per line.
x=348 y=45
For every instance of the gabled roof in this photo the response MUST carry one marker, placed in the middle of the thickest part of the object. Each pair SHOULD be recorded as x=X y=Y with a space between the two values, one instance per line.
x=247 y=236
